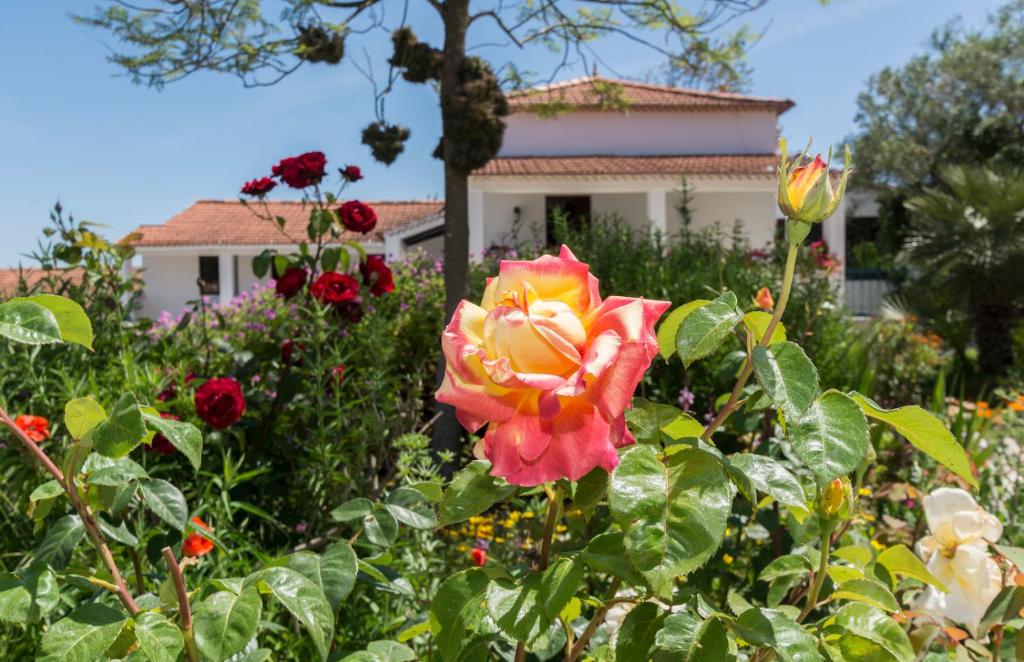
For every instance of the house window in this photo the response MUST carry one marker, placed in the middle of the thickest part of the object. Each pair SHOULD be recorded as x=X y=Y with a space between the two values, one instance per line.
x=209 y=274
x=575 y=208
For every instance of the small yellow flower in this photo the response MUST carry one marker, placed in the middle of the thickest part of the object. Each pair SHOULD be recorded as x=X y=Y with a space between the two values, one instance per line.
x=461 y=548
x=868 y=517
x=528 y=514
x=728 y=559
x=864 y=491
x=877 y=545
x=499 y=540
x=561 y=528
x=728 y=531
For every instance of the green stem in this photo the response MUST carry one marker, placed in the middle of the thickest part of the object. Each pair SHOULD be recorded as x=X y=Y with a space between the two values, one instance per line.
x=554 y=509
x=748 y=366
x=819 y=577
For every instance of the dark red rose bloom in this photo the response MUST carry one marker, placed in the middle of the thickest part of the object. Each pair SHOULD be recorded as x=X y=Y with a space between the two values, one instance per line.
x=357 y=217
x=160 y=443
x=334 y=288
x=219 y=402
x=377 y=275
x=290 y=282
x=259 y=187
x=301 y=171
x=168 y=393
x=338 y=373
x=351 y=173
x=288 y=350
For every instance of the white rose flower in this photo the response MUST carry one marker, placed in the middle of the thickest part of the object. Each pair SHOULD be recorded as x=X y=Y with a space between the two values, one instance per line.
x=957 y=554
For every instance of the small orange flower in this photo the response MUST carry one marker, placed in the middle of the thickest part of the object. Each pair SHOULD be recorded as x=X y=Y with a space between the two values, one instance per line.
x=764 y=299
x=1016 y=405
x=479 y=556
x=36 y=428
x=195 y=544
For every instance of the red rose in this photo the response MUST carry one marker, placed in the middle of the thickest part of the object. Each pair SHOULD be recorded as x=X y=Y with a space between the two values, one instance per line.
x=219 y=402
x=351 y=173
x=160 y=443
x=290 y=282
x=195 y=544
x=259 y=187
x=377 y=275
x=301 y=171
x=479 y=556
x=334 y=288
x=357 y=217
x=168 y=393
x=338 y=373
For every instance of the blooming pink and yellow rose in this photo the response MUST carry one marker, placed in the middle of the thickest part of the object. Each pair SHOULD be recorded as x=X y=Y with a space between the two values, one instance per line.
x=548 y=367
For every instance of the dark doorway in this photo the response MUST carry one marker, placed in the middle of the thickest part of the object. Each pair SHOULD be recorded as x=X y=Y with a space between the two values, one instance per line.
x=575 y=209
x=209 y=274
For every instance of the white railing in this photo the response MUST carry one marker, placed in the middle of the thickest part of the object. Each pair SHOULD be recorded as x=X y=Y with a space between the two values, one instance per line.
x=864 y=297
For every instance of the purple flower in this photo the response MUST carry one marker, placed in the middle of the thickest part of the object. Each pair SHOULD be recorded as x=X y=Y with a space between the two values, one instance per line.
x=686 y=398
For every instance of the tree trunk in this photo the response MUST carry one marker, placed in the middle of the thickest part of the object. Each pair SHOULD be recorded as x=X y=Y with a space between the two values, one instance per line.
x=994 y=322
x=447 y=432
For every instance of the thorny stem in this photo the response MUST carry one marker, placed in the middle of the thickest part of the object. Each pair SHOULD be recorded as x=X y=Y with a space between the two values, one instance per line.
x=554 y=509
x=184 y=610
x=84 y=512
x=733 y=403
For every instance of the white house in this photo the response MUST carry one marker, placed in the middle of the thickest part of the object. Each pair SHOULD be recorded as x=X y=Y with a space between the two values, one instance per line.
x=590 y=157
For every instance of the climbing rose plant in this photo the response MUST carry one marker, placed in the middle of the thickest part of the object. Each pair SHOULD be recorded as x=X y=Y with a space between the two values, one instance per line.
x=638 y=495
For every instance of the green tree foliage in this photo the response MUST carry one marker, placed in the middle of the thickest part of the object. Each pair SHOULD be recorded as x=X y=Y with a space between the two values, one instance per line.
x=968 y=239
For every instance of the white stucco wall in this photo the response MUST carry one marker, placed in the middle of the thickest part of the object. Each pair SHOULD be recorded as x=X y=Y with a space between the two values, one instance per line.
x=757 y=210
x=170 y=281
x=575 y=134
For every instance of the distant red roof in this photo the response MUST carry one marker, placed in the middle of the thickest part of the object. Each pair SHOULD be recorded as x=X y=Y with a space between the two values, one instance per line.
x=11 y=277
x=591 y=94
x=701 y=164
x=230 y=223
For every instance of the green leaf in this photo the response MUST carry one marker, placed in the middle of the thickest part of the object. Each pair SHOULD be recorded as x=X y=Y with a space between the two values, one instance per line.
x=925 y=432
x=683 y=426
x=51 y=489
x=159 y=639
x=646 y=420
x=225 y=622
x=774 y=629
x=306 y=602
x=867 y=591
x=28 y=323
x=84 y=634
x=60 y=540
x=1004 y=608
x=526 y=610
x=787 y=376
x=118 y=533
x=110 y=472
x=706 y=328
x=28 y=595
x=606 y=553
x=1014 y=554
x=769 y=476
x=82 y=415
x=670 y=327
x=831 y=437
x=122 y=431
x=785 y=566
x=869 y=634
x=334 y=572
x=471 y=492
x=406 y=505
x=352 y=509
x=184 y=436
x=73 y=323
x=457 y=610
x=899 y=560
x=684 y=637
x=590 y=489
x=674 y=514
x=858 y=555
x=635 y=640
x=757 y=323
x=165 y=501
x=380 y=527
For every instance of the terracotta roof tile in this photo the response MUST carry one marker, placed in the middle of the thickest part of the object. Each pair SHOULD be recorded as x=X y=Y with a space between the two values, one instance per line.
x=11 y=277
x=590 y=93
x=700 y=164
x=230 y=223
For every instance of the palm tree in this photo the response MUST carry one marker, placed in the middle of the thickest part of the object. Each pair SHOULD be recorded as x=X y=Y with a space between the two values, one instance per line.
x=968 y=239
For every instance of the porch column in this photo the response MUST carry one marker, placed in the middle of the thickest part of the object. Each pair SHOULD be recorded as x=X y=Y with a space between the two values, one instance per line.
x=657 y=214
x=833 y=231
x=226 y=269
x=476 y=224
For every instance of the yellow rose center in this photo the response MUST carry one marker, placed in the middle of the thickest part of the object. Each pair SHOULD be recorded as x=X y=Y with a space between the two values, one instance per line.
x=539 y=337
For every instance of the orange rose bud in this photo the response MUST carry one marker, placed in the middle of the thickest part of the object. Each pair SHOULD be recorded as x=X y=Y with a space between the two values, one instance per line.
x=805 y=191
x=36 y=428
x=479 y=556
x=764 y=299
x=195 y=544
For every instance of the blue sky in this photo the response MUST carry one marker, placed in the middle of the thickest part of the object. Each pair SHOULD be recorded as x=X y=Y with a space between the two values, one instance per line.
x=123 y=155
